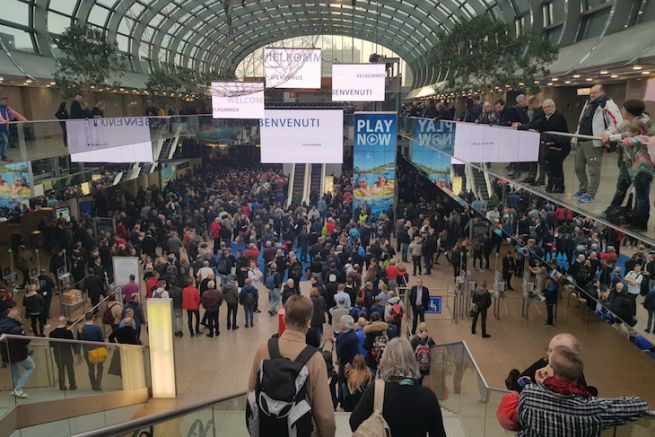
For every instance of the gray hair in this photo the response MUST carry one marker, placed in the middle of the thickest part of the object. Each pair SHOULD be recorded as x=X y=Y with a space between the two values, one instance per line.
x=398 y=360
x=347 y=321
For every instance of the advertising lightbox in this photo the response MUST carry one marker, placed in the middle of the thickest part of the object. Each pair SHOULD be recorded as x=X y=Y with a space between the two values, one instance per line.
x=302 y=136
x=358 y=82
x=292 y=68
x=238 y=100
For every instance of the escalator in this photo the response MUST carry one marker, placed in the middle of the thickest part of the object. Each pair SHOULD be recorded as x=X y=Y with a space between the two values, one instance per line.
x=297 y=184
x=316 y=181
x=480 y=183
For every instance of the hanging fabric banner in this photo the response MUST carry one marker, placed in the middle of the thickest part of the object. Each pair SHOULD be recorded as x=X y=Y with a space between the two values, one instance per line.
x=374 y=160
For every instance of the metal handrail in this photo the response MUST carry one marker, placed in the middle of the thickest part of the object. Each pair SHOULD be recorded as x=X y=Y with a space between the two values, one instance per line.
x=116 y=289
x=156 y=418
x=5 y=337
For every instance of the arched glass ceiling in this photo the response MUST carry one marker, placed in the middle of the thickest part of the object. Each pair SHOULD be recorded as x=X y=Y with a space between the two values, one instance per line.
x=213 y=36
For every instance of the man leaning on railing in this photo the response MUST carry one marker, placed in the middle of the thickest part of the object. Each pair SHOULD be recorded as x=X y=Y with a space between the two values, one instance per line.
x=558 y=405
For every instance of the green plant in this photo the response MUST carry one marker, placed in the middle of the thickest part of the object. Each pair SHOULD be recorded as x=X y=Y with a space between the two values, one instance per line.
x=483 y=52
x=87 y=59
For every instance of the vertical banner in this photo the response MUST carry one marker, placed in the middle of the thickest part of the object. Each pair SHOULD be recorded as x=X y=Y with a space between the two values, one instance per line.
x=374 y=160
x=430 y=136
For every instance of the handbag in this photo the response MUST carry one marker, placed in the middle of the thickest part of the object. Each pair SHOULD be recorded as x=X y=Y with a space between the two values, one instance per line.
x=474 y=309
x=97 y=355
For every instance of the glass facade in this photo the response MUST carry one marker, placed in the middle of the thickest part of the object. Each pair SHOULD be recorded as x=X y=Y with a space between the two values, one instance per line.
x=222 y=36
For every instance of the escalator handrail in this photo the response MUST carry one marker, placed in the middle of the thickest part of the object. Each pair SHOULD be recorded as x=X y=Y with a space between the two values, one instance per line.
x=121 y=428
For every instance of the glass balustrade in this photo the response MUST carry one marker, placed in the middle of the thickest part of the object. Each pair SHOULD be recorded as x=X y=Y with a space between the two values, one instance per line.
x=520 y=169
x=124 y=368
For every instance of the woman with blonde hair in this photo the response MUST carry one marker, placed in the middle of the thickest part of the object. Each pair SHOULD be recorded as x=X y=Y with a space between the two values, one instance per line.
x=358 y=376
x=35 y=308
x=409 y=408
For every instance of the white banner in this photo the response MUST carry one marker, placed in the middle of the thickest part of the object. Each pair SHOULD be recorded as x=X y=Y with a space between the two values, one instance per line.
x=302 y=136
x=121 y=139
x=482 y=143
x=292 y=68
x=358 y=82
x=238 y=100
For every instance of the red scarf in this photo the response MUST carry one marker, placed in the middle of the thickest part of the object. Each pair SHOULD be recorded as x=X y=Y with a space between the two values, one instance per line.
x=566 y=387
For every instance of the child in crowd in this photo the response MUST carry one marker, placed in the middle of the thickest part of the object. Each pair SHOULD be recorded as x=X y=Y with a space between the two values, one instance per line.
x=422 y=344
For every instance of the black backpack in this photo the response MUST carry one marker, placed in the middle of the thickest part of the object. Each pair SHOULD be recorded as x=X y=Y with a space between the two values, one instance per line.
x=278 y=406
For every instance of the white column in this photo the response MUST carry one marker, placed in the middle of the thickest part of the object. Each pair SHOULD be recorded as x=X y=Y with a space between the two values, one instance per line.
x=162 y=356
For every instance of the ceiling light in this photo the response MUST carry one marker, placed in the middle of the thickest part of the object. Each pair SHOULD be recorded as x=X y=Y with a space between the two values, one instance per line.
x=549 y=84
x=53 y=83
x=636 y=67
x=589 y=79
x=614 y=76
x=555 y=79
x=575 y=76
x=2 y=78
x=645 y=72
x=567 y=81
x=604 y=72
x=536 y=81
x=28 y=80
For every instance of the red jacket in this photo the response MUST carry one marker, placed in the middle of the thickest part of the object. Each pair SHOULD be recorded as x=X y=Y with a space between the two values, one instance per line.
x=391 y=272
x=190 y=298
x=215 y=229
x=150 y=284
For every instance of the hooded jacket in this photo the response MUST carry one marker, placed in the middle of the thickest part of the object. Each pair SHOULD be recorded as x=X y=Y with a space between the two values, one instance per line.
x=605 y=117
x=372 y=331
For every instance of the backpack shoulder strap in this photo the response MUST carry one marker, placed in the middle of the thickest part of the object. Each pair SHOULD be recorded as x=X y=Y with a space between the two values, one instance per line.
x=378 y=400
x=273 y=348
x=305 y=355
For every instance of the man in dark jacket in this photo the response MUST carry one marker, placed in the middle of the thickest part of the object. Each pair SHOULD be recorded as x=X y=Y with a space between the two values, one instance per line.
x=212 y=300
x=347 y=348
x=94 y=288
x=63 y=354
x=553 y=149
x=419 y=297
x=16 y=354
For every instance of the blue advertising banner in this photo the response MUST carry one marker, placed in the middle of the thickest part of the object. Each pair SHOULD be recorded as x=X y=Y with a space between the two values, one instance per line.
x=374 y=160
x=428 y=136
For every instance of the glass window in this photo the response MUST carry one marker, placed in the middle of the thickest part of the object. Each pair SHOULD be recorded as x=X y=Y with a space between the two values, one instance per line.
x=98 y=16
x=123 y=43
x=108 y=3
x=16 y=39
x=156 y=20
x=65 y=6
x=126 y=25
x=16 y=12
x=57 y=23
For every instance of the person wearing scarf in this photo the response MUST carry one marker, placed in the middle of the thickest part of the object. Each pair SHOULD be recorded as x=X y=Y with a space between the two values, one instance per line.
x=556 y=404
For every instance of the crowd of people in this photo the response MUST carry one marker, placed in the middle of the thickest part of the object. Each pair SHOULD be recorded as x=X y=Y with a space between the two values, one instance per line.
x=226 y=235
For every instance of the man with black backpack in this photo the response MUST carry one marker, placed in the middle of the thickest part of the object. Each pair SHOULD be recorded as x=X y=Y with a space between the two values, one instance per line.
x=279 y=367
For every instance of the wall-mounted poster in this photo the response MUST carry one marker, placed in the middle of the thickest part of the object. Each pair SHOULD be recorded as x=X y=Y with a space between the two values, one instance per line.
x=15 y=184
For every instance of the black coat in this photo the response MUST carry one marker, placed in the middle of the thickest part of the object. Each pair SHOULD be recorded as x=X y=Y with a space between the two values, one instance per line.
x=425 y=298
x=16 y=349
x=555 y=123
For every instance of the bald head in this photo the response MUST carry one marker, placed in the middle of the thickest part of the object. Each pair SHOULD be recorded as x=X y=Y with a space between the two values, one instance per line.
x=596 y=91
x=564 y=340
x=549 y=106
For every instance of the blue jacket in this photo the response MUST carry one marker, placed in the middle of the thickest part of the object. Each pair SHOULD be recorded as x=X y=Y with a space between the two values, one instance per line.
x=90 y=332
x=347 y=347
